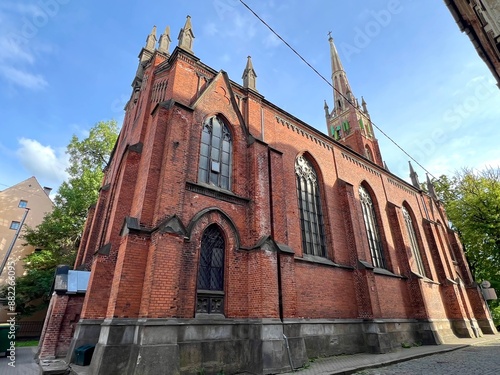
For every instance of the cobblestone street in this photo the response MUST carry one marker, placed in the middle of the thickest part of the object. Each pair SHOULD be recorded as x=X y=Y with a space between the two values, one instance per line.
x=479 y=359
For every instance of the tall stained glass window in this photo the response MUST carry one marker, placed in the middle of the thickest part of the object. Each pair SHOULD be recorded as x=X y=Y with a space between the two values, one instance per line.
x=372 y=230
x=215 y=154
x=311 y=217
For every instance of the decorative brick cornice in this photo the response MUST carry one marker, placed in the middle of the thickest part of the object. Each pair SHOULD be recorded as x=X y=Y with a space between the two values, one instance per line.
x=359 y=163
x=297 y=129
x=401 y=186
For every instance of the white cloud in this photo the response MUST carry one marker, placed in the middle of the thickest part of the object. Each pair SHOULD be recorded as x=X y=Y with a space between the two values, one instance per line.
x=11 y=50
x=43 y=161
x=23 y=78
x=18 y=49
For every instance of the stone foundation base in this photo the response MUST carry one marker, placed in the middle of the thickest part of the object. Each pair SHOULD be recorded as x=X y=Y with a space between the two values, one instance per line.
x=487 y=326
x=260 y=346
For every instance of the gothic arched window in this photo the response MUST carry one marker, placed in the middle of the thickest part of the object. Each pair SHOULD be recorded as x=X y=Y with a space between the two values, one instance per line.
x=368 y=153
x=210 y=284
x=415 y=250
x=371 y=226
x=215 y=154
x=311 y=218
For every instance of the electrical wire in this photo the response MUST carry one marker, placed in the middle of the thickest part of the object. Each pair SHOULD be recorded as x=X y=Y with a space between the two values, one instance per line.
x=335 y=89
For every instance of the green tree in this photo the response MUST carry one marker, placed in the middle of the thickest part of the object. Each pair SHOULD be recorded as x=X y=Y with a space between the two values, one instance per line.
x=60 y=232
x=472 y=201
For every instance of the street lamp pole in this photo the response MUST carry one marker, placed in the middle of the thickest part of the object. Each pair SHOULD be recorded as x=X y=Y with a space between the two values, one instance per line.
x=16 y=235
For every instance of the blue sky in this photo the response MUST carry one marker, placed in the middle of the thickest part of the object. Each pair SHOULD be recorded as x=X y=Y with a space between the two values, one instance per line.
x=67 y=64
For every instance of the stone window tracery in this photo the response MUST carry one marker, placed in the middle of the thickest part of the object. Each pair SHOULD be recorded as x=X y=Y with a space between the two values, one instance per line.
x=215 y=154
x=311 y=218
x=372 y=228
x=415 y=250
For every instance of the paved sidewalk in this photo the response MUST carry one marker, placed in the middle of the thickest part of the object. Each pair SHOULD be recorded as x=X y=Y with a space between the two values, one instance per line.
x=349 y=364
x=24 y=363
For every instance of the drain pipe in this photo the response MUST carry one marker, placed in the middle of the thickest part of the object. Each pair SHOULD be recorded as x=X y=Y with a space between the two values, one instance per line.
x=288 y=351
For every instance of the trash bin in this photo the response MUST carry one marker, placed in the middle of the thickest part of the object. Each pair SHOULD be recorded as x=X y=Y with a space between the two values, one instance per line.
x=83 y=355
x=4 y=339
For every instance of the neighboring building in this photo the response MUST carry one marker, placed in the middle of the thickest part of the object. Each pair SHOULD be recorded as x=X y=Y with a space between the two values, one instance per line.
x=25 y=203
x=225 y=224
x=480 y=20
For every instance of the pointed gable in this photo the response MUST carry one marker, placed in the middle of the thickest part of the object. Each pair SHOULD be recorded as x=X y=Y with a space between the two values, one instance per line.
x=218 y=96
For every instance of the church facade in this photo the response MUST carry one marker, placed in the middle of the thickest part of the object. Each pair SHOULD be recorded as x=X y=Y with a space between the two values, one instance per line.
x=230 y=235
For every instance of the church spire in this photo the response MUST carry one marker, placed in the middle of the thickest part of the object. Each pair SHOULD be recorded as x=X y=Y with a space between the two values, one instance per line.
x=186 y=36
x=249 y=76
x=348 y=123
x=335 y=59
x=339 y=80
x=164 y=43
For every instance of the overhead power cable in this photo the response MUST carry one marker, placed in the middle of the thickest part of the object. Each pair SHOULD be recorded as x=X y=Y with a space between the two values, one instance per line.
x=330 y=84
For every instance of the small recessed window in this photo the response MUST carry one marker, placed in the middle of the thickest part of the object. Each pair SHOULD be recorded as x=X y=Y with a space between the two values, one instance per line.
x=23 y=204
x=15 y=225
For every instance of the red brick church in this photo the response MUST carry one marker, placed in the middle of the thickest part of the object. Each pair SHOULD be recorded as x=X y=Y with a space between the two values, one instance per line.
x=230 y=235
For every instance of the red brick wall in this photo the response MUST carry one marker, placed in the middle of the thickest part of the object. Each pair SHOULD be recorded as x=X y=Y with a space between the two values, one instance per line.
x=64 y=313
x=153 y=274
x=289 y=286
x=324 y=292
x=477 y=303
x=99 y=288
x=434 y=302
x=393 y=297
x=164 y=272
x=126 y=291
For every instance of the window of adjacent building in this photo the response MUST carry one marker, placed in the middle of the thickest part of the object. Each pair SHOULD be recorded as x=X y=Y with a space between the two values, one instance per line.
x=215 y=154
x=311 y=218
x=372 y=228
x=415 y=250
x=15 y=225
x=210 y=284
x=23 y=203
